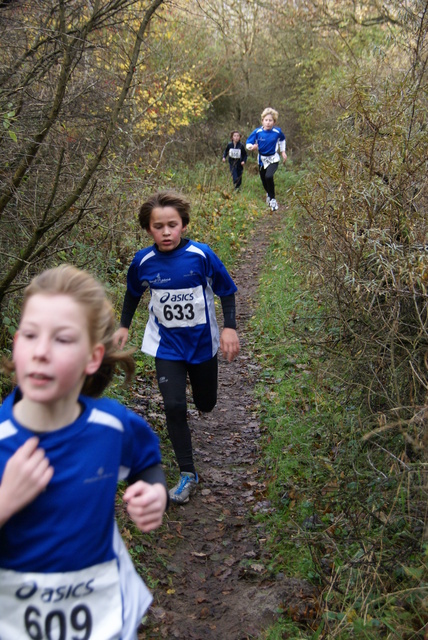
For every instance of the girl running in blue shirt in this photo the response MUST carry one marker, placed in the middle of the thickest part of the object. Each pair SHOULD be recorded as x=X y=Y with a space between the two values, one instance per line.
x=64 y=569
x=182 y=332
x=268 y=140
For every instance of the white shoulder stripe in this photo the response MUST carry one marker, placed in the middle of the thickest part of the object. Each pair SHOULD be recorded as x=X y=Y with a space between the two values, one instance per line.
x=149 y=255
x=194 y=249
x=7 y=429
x=102 y=417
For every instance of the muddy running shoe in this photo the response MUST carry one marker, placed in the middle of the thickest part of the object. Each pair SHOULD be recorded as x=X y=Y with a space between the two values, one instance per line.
x=273 y=205
x=185 y=488
x=267 y=199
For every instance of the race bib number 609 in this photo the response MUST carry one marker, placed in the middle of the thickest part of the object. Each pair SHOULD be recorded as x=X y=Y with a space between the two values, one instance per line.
x=78 y=605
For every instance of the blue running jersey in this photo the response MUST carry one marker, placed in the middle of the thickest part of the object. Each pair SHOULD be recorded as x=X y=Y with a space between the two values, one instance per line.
x=182 y=323
x=64 y=568
x=106 y=443
x=269 y=142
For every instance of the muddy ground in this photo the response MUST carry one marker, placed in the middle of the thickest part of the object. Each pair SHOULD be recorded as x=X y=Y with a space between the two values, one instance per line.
x=214 y=582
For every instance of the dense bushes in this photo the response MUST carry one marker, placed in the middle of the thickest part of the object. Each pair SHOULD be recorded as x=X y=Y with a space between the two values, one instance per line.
x=364 y=228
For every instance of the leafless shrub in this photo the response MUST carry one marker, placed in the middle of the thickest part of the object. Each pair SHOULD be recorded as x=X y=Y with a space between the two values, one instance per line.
x=365 y=230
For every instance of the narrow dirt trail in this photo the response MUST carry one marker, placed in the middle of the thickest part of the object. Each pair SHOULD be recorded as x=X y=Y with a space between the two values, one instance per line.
x=215 y=584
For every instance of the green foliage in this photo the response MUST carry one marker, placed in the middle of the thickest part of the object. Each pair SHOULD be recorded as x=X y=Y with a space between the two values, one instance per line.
x=8 y=117
x=365 y=230
x=346 y=512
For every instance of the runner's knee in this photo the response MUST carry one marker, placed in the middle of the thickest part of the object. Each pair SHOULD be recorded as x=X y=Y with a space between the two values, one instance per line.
x=175 y=407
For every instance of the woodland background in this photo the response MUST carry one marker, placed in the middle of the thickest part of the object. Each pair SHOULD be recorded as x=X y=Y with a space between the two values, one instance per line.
x=104 y=101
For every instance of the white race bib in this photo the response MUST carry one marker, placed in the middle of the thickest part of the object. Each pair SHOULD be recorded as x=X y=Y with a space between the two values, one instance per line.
x=179 y=307
x=77 y=605
x=267 y=160
x=235 y=153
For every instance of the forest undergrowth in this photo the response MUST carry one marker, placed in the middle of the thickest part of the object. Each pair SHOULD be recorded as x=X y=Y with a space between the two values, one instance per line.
x=348 y=505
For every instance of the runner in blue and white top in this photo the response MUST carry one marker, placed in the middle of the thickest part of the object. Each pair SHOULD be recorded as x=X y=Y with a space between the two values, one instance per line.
x=64 y=569
x=268 y=140
x=182 y=333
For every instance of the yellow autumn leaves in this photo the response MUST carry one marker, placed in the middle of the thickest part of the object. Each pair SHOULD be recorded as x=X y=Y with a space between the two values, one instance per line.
x=166 y=93
x=169 y=104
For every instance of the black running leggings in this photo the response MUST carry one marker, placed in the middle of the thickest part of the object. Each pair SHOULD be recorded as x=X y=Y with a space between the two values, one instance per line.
x=172 y=379
x=266 y=176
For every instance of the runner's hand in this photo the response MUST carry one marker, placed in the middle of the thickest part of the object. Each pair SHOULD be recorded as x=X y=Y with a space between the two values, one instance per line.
x=146 y=504
x=120 y=337
x=229 y=343
x=26 y=475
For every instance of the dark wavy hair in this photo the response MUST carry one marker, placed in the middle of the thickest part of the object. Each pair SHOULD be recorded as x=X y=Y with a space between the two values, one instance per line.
x=164 y=199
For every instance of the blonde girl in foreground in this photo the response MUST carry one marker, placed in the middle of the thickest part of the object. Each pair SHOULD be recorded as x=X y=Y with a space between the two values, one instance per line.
x=64 y=570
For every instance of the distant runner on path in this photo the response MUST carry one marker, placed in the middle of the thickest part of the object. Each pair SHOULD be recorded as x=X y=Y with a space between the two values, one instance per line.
x=268 y=140
x=236 y=153
x=182 y=332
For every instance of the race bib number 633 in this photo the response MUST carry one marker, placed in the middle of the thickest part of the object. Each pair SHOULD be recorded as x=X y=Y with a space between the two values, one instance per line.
x=179 y=307
x=77 y=605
